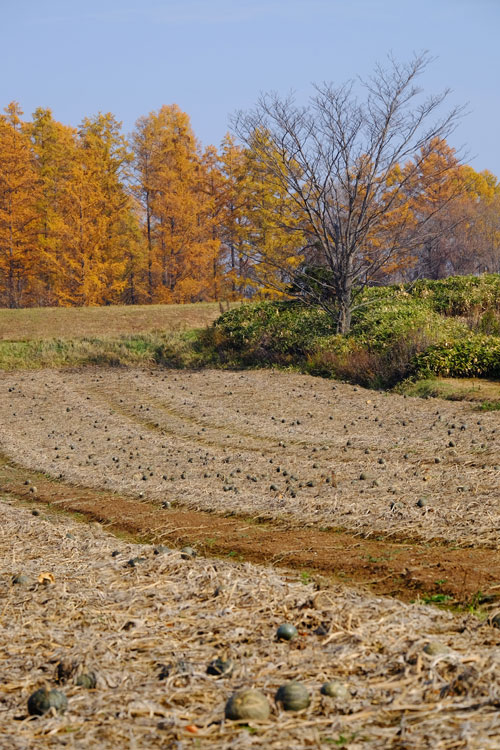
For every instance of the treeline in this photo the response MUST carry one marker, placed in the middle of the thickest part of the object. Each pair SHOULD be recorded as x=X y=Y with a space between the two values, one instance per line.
x=90 y=217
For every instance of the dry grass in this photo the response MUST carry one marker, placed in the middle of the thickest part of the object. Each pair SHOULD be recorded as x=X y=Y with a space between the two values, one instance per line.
x=457 y=389
x=116 y=320
x=124 y=623
x=135 y=350
x=264 y=444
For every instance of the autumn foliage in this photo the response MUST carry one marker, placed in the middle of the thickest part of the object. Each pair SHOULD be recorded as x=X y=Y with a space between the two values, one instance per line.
x=90 y=217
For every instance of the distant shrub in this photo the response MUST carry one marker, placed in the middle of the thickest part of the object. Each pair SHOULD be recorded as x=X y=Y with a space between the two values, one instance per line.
x=475 y=356
x=489 y=323
x=397 y=332
x=370 y=367
x=460 y=295
x=391 y=317
x=278 y=332
x=355 y=364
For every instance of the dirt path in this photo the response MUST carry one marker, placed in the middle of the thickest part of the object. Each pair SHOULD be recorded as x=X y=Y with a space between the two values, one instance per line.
x=408 y=571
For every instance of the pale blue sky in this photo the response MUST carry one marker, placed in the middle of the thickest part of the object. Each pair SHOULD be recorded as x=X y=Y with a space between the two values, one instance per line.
x=212 y=57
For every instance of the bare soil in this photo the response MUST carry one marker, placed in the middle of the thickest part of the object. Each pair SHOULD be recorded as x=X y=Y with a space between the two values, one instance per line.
x=455 y=576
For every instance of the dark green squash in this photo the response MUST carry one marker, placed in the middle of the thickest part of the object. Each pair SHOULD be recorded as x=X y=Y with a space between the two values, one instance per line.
x=335 y=689
x=42 y=700
x=87 y=680
x=220 y=667
x=286 y=632
x=293 y=696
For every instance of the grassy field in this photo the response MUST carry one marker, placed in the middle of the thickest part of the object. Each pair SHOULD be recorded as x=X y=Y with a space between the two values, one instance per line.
x=122 y=335
x=484 y=392
x=91 y=322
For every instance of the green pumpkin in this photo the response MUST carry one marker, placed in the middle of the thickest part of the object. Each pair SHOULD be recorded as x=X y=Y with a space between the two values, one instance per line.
x=43 y=700
x=160 y=549
x=87 y=680
x=286 y=632
x=220 y=667
x=336 y=690
x=293 y=696
x=20 y=579
x=436 y=648
x=247 y=705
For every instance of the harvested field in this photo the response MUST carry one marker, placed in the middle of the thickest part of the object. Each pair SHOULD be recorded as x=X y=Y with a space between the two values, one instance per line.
x=459 y=577
x=264 y=444
x=415 y=677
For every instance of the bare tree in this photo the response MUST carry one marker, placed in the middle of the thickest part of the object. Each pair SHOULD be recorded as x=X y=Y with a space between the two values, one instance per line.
x=349 y=165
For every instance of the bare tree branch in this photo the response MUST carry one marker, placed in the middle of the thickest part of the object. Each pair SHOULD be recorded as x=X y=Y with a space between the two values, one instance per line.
x=347 y=164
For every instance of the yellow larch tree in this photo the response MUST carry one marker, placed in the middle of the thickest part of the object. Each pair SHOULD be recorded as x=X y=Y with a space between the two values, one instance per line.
x=178 y=211
x=55 y=151
x=19 y=187
x=275 y=234
x=101 y=222
x=435 y=187
x=234 y=217
x=213 y=187
x=477 y=238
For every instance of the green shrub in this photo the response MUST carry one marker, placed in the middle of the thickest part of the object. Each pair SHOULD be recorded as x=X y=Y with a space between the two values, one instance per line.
x=378 y=325
x=394 y=335
x=271 y=331
x=490 y=323
x=474 y=356
x=460 y=295
x=370 y=367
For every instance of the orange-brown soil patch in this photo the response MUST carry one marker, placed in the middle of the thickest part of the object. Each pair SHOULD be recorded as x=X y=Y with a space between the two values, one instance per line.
x=403 y=569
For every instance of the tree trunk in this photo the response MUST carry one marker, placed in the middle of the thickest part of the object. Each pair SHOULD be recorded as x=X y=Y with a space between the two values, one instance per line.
x=344 y=310
x=150 y=249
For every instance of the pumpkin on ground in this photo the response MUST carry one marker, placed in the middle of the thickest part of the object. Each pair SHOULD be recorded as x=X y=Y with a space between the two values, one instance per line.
x=286 y=632
x=335 y=689
x=42 y=700
x=247 y=705
x=293 y=696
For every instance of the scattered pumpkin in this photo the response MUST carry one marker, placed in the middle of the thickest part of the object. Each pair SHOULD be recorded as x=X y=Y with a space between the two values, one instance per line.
x=286 y=632
x=42 y=700
x=293 y=696
x=436 y=648
x=246 y=705
x=220 y=667
x=20 y=579
x=87 y=680
x=335 y=689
